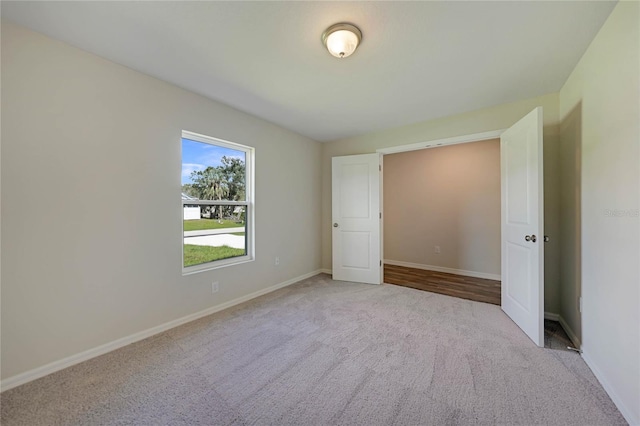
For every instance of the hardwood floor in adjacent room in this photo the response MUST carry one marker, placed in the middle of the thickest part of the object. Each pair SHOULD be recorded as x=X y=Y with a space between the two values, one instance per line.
x=478 y=289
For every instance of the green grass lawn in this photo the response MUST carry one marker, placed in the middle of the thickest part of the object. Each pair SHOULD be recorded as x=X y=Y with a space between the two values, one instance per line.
x=199 y=224
x=195 y=255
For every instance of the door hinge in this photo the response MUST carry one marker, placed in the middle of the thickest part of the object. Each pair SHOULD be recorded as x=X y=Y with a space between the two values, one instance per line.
x=380 y=215
x=381 y=263
x=379 y=167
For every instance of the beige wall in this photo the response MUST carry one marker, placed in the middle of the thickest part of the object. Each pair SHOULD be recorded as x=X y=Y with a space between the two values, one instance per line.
x=499 y=117
x=91 y=214
x=447 y=197
x=605 y=88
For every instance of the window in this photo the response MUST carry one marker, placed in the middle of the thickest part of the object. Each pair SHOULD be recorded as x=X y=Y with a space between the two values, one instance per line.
x=217 y=203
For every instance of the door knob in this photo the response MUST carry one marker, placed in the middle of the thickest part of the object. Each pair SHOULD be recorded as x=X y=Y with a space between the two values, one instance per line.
x=531 y=238
x=335 y=225
x=546 y=238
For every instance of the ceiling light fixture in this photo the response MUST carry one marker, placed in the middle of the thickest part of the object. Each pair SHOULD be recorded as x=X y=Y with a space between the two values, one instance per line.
x=341 y=40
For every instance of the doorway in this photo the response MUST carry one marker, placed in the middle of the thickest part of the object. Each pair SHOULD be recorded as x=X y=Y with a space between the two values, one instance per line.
x=442 y=209
x=442 y=220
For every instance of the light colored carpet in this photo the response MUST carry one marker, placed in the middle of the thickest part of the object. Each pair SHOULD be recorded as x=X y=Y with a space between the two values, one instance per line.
x=324 y=352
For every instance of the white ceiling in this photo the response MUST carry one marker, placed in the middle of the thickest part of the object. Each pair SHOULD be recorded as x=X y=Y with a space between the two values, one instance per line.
x=417 y=61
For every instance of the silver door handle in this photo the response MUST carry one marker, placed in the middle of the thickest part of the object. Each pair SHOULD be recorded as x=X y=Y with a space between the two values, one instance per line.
x=531 y=238
x=335 y=225
x=546 y=238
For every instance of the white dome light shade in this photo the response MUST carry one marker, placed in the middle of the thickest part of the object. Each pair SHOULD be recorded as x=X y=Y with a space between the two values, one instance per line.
x=342 y=43
x=341 y=40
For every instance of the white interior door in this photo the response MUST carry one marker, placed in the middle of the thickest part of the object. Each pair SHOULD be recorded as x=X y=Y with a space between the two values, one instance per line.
x=357 y=218
x=523 y=225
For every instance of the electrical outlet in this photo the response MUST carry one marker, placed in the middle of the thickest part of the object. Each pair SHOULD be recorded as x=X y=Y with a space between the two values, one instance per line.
x=436 y=249
x=215 y=286
x=277 y=262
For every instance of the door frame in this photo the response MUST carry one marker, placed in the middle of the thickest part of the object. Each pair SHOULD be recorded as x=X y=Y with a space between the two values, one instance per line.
x=435 y=143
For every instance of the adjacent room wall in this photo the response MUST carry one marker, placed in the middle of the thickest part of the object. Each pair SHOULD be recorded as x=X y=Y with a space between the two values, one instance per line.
x=495 y=118
x=605 y=87
x=447 y=197
x=570 y=243
x=91 y=211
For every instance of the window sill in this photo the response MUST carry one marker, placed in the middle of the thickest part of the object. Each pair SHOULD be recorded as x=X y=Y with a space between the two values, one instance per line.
x=190 y=270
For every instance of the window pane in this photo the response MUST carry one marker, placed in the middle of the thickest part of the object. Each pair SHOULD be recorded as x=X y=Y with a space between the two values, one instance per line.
x=212 y=172
x=209 y=239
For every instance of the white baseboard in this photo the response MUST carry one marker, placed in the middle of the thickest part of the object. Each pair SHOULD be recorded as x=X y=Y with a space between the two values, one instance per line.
x=576 y=342
x=326 y=271
x=36 y=373
x=631 y=417
x=557 y=317
x=443 y=269
x=551 y=316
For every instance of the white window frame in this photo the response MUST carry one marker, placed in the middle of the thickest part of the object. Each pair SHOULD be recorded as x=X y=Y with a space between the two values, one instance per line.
x=249 y=204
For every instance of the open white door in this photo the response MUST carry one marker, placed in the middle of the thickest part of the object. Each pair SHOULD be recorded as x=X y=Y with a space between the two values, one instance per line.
x=523 y=225
x=356 y=218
